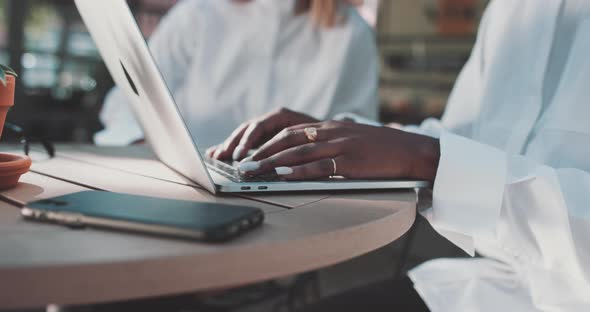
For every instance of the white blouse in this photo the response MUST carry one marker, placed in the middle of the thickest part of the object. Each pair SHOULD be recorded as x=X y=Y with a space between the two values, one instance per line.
x=513 y=180
x=227 y=62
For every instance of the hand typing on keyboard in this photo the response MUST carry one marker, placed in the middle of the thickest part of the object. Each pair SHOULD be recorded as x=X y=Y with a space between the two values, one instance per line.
x=229 y=170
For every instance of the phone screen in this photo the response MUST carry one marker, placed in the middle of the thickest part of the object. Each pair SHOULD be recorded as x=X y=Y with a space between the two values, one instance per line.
x=208 y=221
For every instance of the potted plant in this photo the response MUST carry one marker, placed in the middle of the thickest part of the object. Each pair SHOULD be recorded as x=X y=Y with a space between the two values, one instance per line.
x=11 y=166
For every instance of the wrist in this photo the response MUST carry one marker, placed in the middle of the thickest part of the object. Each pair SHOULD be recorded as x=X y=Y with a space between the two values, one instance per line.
x=428 y=159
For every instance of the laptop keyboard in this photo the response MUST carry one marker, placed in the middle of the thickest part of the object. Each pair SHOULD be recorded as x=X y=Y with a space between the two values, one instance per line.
x=233 y=174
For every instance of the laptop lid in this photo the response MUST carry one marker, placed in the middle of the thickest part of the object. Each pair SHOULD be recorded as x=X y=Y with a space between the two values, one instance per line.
x=129 y=61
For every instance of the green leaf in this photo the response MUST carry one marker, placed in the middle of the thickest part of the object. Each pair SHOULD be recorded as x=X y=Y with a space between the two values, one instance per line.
x=8 y=71
x=5 y=70
x=2 y=77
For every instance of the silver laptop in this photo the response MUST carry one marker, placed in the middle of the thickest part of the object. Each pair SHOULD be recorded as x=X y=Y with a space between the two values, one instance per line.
x=131 y=65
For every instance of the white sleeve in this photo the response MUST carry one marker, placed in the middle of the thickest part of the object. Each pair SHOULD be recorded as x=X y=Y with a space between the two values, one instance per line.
x=174 y=42
x=539 y=215
x=172 y=46
x=121 y=128
x=358 y=119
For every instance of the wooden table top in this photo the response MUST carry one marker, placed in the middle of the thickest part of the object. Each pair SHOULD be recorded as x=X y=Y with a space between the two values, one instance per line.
x=43 y=263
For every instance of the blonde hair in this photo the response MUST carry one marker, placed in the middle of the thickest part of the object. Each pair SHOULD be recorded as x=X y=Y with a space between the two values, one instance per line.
x=324 y=12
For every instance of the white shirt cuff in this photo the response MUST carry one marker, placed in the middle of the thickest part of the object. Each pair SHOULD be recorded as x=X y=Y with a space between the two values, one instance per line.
x=430 y=127
x=468 y=190
x=358 y=119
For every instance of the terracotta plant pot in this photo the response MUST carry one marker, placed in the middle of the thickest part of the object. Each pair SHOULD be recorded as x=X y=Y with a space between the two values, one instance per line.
x=11 y=166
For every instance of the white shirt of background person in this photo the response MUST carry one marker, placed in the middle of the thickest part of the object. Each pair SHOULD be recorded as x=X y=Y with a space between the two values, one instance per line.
x=227 y=62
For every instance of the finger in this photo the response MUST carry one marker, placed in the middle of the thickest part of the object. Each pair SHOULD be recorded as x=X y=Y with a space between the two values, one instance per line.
x=307 y=125
x=293 y=156
x=324 y=124
x=319 y=169
x=292 y=137
x=228 y=147
x=255 y=134
x=266 y=128
x=211 y=151
x=251 y=137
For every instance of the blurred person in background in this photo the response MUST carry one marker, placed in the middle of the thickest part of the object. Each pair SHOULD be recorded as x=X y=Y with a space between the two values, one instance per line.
x=226 y=61
x=509 y=161
x=368 y=10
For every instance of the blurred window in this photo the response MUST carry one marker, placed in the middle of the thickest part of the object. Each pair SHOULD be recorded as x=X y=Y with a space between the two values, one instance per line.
x=62 y=79
x=59 y=52
x=4 y=57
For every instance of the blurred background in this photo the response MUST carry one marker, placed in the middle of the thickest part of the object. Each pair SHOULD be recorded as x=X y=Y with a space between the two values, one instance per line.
x=423 y=44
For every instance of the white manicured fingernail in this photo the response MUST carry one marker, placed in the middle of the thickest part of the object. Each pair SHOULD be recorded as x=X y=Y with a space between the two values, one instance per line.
x=284 y=170
x=238 y=152
x=247 y=159
x=249 y=166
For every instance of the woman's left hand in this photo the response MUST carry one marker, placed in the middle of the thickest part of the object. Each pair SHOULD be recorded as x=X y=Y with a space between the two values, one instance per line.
x=346 y=149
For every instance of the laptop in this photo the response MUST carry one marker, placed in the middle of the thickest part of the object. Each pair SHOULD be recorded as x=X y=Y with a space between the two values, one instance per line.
x=129 y=61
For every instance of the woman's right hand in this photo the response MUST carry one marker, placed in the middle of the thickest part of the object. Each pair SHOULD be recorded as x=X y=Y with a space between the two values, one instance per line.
x=254 y=133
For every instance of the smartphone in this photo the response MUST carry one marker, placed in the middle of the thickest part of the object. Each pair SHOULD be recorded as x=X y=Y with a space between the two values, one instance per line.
x=211 y=222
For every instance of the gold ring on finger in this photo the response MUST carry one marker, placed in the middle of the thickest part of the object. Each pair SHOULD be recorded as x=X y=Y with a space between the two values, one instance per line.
x=311 y=133
x=334 y=167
